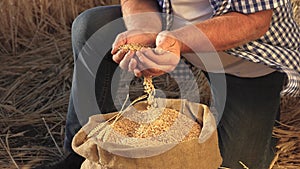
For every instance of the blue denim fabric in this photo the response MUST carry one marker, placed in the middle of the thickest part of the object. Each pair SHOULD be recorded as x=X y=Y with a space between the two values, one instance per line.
x=84 y=26
x=245 y=129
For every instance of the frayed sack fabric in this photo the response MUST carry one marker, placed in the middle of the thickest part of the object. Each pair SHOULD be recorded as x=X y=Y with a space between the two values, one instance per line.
x=108 y=149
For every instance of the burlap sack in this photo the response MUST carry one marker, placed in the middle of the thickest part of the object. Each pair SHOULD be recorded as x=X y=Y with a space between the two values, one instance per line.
x=202 y=153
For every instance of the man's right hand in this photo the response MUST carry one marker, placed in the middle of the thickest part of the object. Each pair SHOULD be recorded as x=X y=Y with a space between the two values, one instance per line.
x=123 y=58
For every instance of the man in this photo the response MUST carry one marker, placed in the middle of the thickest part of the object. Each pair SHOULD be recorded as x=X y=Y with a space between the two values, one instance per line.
x=258 y=42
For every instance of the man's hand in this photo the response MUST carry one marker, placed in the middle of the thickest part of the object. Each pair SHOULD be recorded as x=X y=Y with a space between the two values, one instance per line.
x=164 y=58
x=143 y=23
x=169 y=42
x=123 y=57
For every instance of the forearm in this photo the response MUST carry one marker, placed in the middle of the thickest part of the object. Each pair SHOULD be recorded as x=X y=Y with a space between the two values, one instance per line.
x=224 y=32
x=141 y=14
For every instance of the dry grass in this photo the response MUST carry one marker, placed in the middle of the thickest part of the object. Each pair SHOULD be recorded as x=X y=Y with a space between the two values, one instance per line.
x=24 y=24
x=35 y=79
x=296 y=10
x=288 y=132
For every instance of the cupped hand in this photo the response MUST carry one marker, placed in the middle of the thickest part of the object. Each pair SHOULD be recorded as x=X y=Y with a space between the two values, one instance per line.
x=123 y=57
x=155 y=62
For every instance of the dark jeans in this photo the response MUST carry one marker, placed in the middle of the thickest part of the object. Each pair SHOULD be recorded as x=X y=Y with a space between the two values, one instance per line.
x=251 y=107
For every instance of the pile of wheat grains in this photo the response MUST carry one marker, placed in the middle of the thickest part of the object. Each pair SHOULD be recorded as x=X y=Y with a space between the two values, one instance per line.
x=159 y=125
x=155 y=126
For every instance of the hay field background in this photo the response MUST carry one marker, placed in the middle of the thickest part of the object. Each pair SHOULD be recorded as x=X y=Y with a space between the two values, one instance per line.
x=35 y=80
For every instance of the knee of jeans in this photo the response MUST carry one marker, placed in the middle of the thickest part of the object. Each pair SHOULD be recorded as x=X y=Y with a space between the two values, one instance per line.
x=89 y=21
x=79 y=32
x=92 y=19
x=80 y=28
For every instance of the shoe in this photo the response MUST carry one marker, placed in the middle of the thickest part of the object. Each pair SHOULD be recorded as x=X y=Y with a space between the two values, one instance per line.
x=70 y=161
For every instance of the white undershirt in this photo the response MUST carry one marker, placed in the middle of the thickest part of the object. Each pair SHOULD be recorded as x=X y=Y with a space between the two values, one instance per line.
x=200 y=10
x=192 y=10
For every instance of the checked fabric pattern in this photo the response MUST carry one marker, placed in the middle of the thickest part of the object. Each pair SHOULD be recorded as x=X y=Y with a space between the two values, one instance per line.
x=279 y=48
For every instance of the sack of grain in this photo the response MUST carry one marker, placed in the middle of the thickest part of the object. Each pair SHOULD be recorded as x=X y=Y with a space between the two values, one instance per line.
x=178 y=134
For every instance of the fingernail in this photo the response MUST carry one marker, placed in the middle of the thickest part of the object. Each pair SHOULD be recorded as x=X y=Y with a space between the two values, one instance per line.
x=137 y=73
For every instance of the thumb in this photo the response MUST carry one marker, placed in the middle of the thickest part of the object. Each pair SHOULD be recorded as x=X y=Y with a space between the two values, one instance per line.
x=120 y=40
x=166 y=41
x=163 y=40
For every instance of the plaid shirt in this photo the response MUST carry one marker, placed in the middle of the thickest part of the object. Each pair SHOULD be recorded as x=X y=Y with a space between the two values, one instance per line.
x=279 y=48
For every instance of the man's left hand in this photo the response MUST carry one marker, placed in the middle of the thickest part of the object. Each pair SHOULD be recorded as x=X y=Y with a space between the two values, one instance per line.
x=155 y=62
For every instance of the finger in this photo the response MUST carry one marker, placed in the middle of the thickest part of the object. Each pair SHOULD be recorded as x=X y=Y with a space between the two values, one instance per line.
x=148 y=57
x=132 y=64
x=137 y=73
x=119 y=56
x=159 y=51
x=126 y=59
x=120 y=40
x=146 y=64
